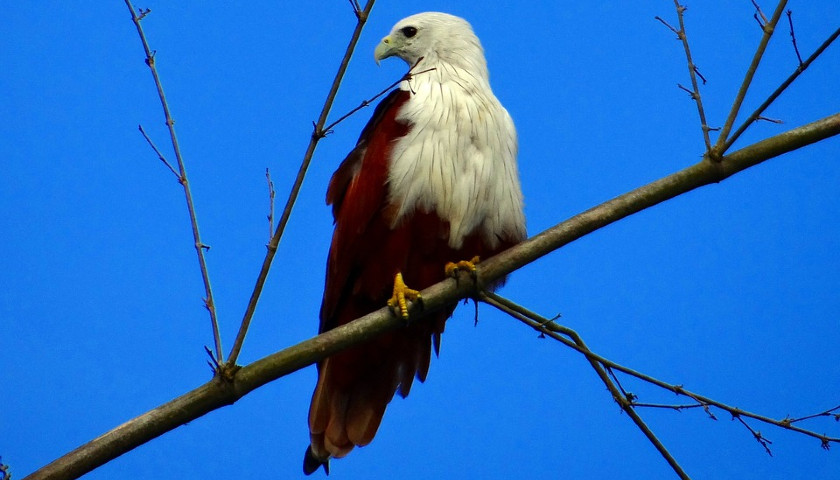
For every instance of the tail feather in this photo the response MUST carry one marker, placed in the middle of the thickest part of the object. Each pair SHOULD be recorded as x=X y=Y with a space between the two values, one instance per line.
x=312 y=462
x=355 y=386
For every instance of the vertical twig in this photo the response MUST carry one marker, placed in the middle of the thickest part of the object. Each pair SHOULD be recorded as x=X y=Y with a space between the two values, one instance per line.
x=793 y=36
x=317 y=134
x=692 y=72
x=721 y=145
x=182 y=178
x=270 y=203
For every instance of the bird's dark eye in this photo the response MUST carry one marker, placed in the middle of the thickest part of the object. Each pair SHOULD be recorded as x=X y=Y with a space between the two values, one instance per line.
x=409 y=31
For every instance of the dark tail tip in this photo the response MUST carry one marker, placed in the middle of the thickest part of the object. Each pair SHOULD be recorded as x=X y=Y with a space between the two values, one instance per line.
x=312 y=463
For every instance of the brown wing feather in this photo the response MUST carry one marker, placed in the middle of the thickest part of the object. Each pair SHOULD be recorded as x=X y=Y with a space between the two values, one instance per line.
x=355 y=386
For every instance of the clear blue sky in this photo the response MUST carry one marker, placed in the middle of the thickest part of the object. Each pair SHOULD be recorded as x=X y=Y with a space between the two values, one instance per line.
x=731 y=290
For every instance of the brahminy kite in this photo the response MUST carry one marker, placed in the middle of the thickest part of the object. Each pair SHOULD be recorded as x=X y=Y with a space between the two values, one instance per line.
x=432 y=179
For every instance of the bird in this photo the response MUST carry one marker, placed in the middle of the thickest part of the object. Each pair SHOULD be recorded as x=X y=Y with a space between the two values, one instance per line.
x=433 y=178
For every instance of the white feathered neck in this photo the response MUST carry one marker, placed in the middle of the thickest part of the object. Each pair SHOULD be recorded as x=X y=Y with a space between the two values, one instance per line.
x=459 y=156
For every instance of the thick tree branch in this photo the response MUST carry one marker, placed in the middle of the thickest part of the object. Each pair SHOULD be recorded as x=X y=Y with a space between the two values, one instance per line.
x=218 y=392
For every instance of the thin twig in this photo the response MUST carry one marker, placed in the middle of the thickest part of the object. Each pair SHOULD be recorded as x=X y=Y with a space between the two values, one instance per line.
x=357 y=9
x=756 y=434
x=761 y=21
x=793 y=36
x=722 y=143
x=182 y=176
x=271 y=194
x=669 y=407
x=771 y=120
x=692 y=71
x=599 y=367
x=158 y=153
x=556 y=332
x=317 y=134
x=407 y=77
x=826 y=413
x=799 y=69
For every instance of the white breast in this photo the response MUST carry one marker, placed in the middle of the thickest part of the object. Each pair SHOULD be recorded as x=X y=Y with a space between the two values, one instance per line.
x=458 y=158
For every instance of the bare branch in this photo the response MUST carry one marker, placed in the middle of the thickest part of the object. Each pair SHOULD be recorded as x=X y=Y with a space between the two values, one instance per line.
x=756 y=434
x=271 y=194
x=762 y=22
x=768 y=29
x=693 y=72
x=317 y=134
x=408 y=76
x=158 y=153
x=182 y=176
x=556 y=332
x=801 y=68
x=626 y=404
x=221 y=391
x=793 y=36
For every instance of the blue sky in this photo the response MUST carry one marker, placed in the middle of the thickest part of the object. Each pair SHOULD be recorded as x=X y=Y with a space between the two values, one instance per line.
x=730 y=290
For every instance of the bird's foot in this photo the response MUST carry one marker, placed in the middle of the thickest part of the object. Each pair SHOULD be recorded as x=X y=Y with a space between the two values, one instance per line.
x=402 y=294
x=452 y=268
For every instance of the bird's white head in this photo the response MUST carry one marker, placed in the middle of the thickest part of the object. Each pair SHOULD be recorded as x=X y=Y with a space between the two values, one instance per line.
x=435 y=37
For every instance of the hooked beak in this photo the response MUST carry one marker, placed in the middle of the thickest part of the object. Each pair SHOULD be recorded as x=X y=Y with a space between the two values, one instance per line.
x=384 y=50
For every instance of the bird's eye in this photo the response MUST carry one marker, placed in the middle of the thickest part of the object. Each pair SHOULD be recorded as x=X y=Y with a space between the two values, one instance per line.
x=409 y=31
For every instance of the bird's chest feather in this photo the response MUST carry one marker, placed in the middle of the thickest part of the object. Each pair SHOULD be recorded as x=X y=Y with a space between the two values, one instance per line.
x=446 y=162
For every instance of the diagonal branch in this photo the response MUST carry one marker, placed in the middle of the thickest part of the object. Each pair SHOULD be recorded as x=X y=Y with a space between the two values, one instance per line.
x=548 y=327
x=768 y=29
x=182 y=179
x=219 y=392
x=317 y=134
x=542 y=325
x=773 y=96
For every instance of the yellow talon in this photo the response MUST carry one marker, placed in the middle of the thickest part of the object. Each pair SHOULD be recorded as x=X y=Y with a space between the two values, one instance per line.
x=402 y=293
x=452 y=268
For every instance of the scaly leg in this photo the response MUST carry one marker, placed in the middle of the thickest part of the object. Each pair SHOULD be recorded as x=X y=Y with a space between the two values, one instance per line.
x=401 y=294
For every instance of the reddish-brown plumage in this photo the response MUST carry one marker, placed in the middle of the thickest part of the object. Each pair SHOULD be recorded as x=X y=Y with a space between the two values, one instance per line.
x=355 y=386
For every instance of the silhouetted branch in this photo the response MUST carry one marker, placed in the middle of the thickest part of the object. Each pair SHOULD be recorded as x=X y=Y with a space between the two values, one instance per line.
x=271 y=194
x=793 y=36
x=408 y=76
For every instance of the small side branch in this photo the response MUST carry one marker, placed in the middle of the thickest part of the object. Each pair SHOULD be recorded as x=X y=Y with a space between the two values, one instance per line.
x=693 y=72
x=271 y=194
x=756 y=115
x=158 y=153
x=407 y=77
x=548 y=327
x=293 y=194
x=182 y=178
x=793 y=36
x=769 y=26
x=560 y=333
